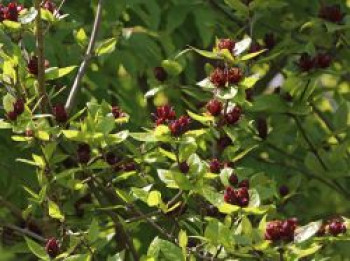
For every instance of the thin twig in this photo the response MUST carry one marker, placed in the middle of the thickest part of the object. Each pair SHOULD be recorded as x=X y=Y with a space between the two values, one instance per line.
x=88 y=55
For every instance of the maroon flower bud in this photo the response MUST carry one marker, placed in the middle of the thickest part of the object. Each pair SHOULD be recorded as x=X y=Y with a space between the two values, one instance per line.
x=12 y=115
x=60 y=113
x=111 y=158
x=218 y=77
x=234 y=75
x=52 y=247
x=331 y=13
x=337 y=227
x=230 y=196
x=255 y=47
x=306 y=62
x=262 y=128
x=269 y=41
x=160 y=74
x=184 y=167
x=2 y=12
x=323 y=60
x=33 y=65
x=244 y=184
x=226 y=44
x=283 y=190
x=215 y=166
x=242 y=195
x=229 y=164
x=212 y=211
x=214 y=107
x=287 y=229
x=83 y=153
x=322 y=231
x=18 y=106
x=233 y=115
x=117 y=112
x=233 y=179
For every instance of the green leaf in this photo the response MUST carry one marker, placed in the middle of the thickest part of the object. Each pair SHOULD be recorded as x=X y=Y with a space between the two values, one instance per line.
x=208 y=54
x=227 y=93
x=172 y=67
x=46 y=15
x=228 y=208
x=12 y=25
x=106 y=47
x=167 y=249
x=252 y=55
x=154 y=198
x=8 y=100
x=238 y=5
x=305 y=232
x=301 y=253
x=85 y=257
x=94 y=231
x=200 y=118
x=54 y=73
x=36 y=249
x=54 y=211
x=81 y=37
x=270 y=104
x=182 y=181
x=183 y=239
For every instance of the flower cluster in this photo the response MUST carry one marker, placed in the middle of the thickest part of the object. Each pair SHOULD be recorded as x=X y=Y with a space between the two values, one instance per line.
x=239 y=197
x=281 y=230
x=179 y=126
x=10 y=12
x=164 y=114
x=221 y=77
x=52 y=247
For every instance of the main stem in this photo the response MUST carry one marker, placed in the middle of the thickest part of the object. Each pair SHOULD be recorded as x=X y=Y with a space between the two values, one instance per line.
x=44 y=103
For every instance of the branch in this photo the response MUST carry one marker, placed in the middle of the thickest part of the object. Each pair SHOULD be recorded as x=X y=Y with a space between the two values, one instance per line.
x=88 y=55
x=25 y=232
x=41 y=59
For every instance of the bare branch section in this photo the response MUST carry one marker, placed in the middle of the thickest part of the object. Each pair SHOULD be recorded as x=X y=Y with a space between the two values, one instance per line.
x=83 y=67
x=41 y=58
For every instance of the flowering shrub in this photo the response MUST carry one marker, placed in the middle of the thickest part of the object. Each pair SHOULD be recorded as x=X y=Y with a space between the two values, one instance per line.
x=247 y=159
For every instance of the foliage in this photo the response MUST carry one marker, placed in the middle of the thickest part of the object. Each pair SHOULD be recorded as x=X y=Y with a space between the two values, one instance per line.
x=175 y=130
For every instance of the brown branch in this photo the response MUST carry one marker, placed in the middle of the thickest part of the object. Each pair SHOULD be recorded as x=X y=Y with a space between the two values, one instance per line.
x=88 y=55
x=25 y=232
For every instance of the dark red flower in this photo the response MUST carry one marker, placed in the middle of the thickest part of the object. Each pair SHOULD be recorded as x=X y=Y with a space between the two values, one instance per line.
x=117 y=112
x=306 y=62
x=164 y=114
x=244 y=184
x=262 y=128
x=179 y=126
x=234 y=75
x=283 y=190
x=33 y=65
x=12 y=11
x=83 y=153
x=111 y=158
x=52 y=247
x=184 y=167
x=60 y=113
x=331 y=13
x=336 y=227
x=233 y=115
x=223 y=142
x=12 y=115
x=255 y=47
x=215 y=166
x=218 y=77
x=323 y=60
x=18 y=106
x=129 y=166
x=233 y=179
x=214 y=107
x=50 y=6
